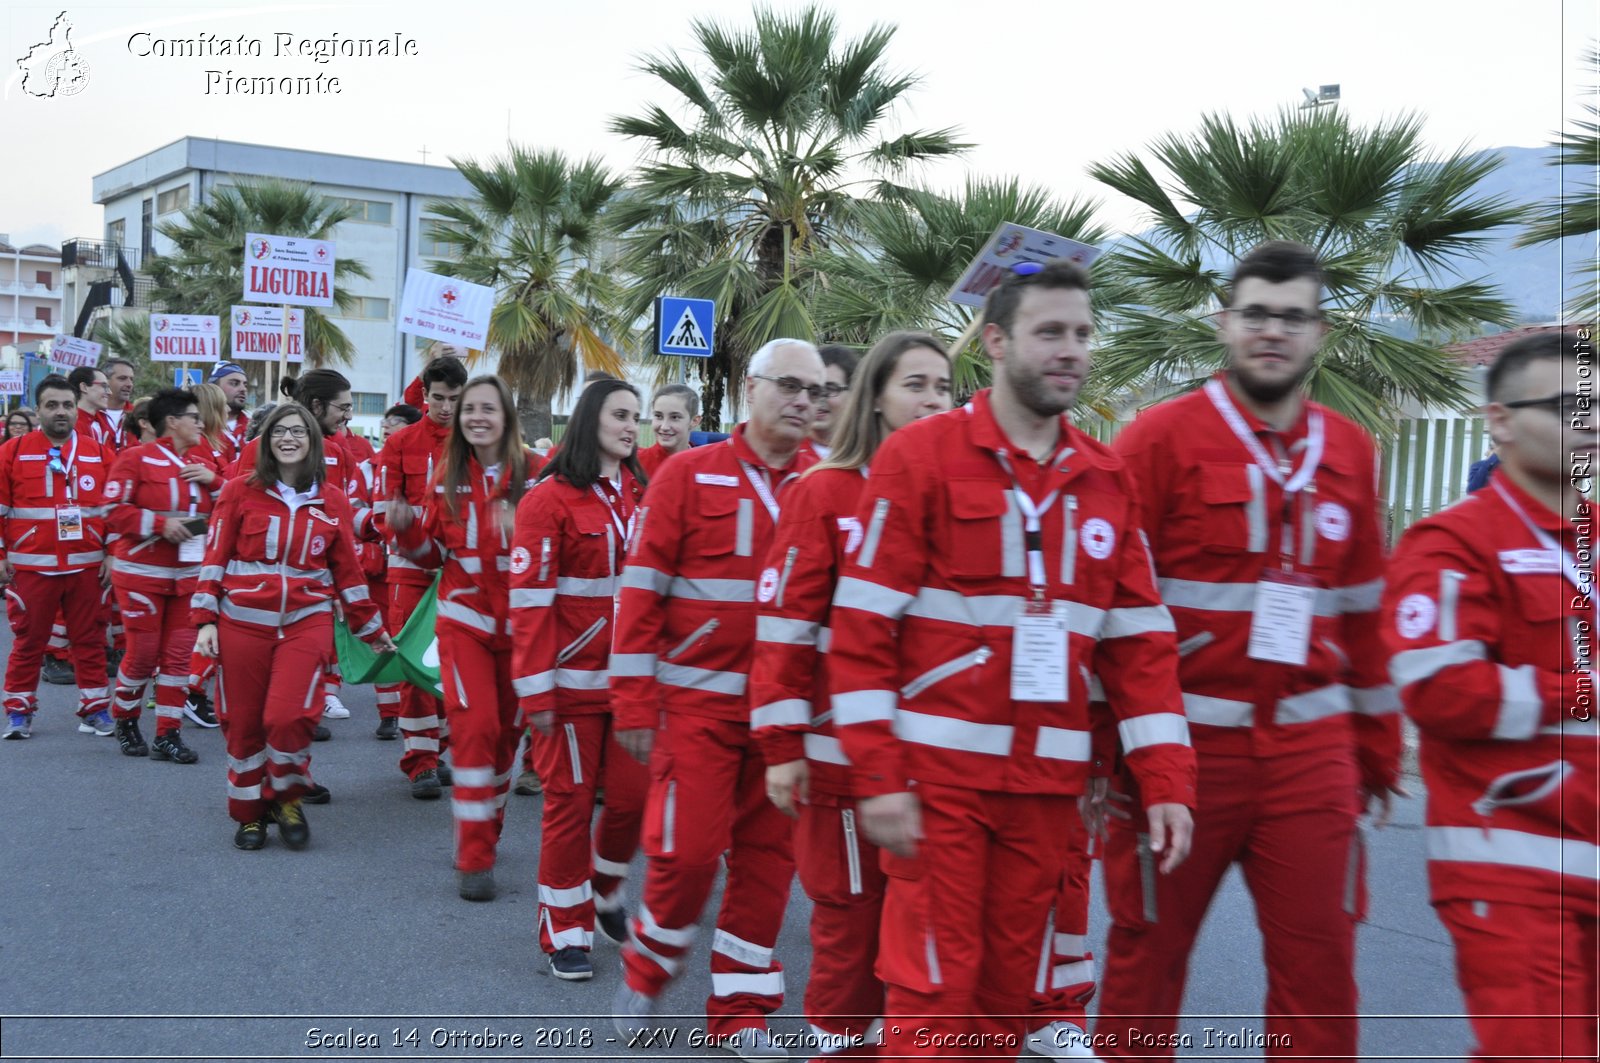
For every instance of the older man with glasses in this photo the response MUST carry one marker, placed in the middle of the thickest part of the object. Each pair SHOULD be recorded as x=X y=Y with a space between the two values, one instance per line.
x=679 y=671
x=52 y=535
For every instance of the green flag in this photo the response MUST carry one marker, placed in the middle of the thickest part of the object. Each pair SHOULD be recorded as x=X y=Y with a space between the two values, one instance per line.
x=417 y=661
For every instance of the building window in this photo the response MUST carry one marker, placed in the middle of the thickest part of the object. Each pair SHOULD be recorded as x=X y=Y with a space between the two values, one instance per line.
x=42 y=278
x=369 y=403
x=117 y=232
x=366 y=308
x=172 y=199
x=428 y=247
x=371 y=211
x=42 y=313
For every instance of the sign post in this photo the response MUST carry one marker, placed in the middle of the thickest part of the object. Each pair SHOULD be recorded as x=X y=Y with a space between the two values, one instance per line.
x=686 y=328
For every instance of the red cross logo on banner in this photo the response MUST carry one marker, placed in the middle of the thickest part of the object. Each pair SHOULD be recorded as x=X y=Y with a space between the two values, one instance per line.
x=448 y=296
x=322 y=252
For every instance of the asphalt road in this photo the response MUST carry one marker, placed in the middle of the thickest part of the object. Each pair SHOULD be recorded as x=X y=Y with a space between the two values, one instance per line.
x=131 y=928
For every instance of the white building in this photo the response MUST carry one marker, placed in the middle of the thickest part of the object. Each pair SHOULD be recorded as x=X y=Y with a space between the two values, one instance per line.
x=30 y=292
x=386 y=234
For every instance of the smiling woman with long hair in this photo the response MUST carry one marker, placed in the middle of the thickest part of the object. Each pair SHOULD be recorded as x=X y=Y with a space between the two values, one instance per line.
x=279 y=548
x=566 y=567
x=466 y=531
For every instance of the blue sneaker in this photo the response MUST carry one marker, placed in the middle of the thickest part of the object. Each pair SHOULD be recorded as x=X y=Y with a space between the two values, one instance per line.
x=96 y=723
x=19 y=725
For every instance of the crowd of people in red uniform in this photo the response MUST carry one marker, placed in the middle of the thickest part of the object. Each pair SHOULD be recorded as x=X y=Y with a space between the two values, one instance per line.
x=931 y=659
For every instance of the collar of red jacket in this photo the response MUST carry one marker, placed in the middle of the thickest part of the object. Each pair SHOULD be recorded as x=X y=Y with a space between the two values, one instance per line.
x=1541 y=515
x=1256 y=424
x=1070 y=447
x=747 y=454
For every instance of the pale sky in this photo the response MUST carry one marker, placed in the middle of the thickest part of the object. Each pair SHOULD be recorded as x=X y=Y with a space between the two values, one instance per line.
x=1042 y=89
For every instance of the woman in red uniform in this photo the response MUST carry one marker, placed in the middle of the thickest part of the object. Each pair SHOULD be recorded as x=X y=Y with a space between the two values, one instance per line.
x=466 y=530
x=904 y=377
x=161 y=494
x=279 y=547
x=566 y=566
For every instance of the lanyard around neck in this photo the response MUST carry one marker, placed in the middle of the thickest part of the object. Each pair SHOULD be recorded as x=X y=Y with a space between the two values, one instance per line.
x=622 y=520
x=1569 y=567
x=758 y=480
x=1032 y=526
x=1235 y=420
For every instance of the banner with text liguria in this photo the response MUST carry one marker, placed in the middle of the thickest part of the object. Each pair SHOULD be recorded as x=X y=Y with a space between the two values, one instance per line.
x=258 y=332
x=292 y=270
x=185 y=337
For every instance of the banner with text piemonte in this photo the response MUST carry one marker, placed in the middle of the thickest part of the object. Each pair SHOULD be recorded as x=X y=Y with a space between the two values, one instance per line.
x=185 y=337
x=258 y=332
x=446 y=308
x=288 y=270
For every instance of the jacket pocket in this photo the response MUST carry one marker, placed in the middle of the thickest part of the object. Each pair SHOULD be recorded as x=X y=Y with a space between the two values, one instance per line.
x=715 y=531
x=1235 y=496
x=983 y=531
x=577 y=645
x=1520 y=788
x=258 y=537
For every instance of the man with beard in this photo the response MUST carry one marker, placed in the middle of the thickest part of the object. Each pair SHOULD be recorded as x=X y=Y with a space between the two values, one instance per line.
x=1000 y=560
x=229 y=376
x=1263 y=522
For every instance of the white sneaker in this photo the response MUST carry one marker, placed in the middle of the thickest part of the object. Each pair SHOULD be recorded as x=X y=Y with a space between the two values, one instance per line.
x=631 y=1012
x=334 y=709
x=753 y=1042
x=1061 y=1040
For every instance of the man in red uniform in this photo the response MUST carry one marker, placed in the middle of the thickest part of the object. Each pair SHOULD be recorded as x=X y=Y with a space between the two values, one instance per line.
x=94 y=395
x=1261 y=510
x=1490 y=615
x=119 y=384
x=52 y=535
x=1000 y=562
x=681 y=660
x=229 y=376
x=406 y=467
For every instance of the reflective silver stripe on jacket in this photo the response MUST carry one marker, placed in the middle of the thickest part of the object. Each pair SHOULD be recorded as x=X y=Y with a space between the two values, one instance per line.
x=1514 y=848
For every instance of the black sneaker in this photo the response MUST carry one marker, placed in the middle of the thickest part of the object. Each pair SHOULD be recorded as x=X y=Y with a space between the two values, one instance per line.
x=198 y=708
x=250 y=836
x=571 y=964
x=292 y=825
x=388 y=729
x=321 y=734
x=446 y=776
x=170 y=747
x=316 y=794
x=475 y=885
x=425 y=785
x=58 y=672
x=613 y=925
x=128 y=737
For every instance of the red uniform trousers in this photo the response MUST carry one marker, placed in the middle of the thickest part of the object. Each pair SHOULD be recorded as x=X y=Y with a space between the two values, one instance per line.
x=578 y=876
x=1064 y=983
x=421 y=714
x=77 y=595
x=1529 y=978
x=839 y=870
x=479 y=698
x=1289 y=821
x=110 y=620
x=269 y=696
x=961 y=914
x=160 y=642
x=388 y=693
x=708 y=797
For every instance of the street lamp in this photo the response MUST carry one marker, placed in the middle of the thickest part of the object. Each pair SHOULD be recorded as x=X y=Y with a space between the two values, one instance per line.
x=1326 y=95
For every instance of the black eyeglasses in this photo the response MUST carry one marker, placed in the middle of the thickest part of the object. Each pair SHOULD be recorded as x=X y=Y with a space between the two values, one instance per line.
x=789 y=387
x=835 y=390
x=1255 y=318
x=1567 y=404
x=293 y=432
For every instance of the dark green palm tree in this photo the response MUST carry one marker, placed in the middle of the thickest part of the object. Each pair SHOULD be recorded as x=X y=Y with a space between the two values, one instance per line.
x=203 y=274
x=1576 y=211
x=770 y=143
x=535 y=230
x=1392 y=224
x=913 y=248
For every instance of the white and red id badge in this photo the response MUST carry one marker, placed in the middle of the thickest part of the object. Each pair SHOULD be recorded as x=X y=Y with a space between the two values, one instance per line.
x=1280 y=624
x=1039 y=652
x=69 y=524
x=192 y=551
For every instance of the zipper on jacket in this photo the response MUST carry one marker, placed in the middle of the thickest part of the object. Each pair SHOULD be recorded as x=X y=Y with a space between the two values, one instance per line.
x=544 y=559
x=949 y=668
x=788 y=566
x=704 y=629
x=1069 y=542
x=1198 y=640
x=581 y=641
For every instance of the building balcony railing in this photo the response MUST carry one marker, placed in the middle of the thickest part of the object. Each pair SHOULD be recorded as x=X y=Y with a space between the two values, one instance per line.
x=20 y=325
x=41 y=291
x=98 y=254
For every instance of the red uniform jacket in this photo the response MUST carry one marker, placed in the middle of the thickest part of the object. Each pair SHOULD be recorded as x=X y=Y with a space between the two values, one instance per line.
x=99 y=427
x=925 y=612
x=144 y=491
x=272 y=565
x=650 y=459
x=356 y=446
x=343 y=472
x=33 y=491
x=789 y=676
x=405 y=467
x=1216 y=523
x=474 y=552
x=686 y=626
x=566 y=568
x=1493 y=651
x=234 y=429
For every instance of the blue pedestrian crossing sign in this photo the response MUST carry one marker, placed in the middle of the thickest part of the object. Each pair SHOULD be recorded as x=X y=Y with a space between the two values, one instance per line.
x=187 y=378
x=685 y=327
